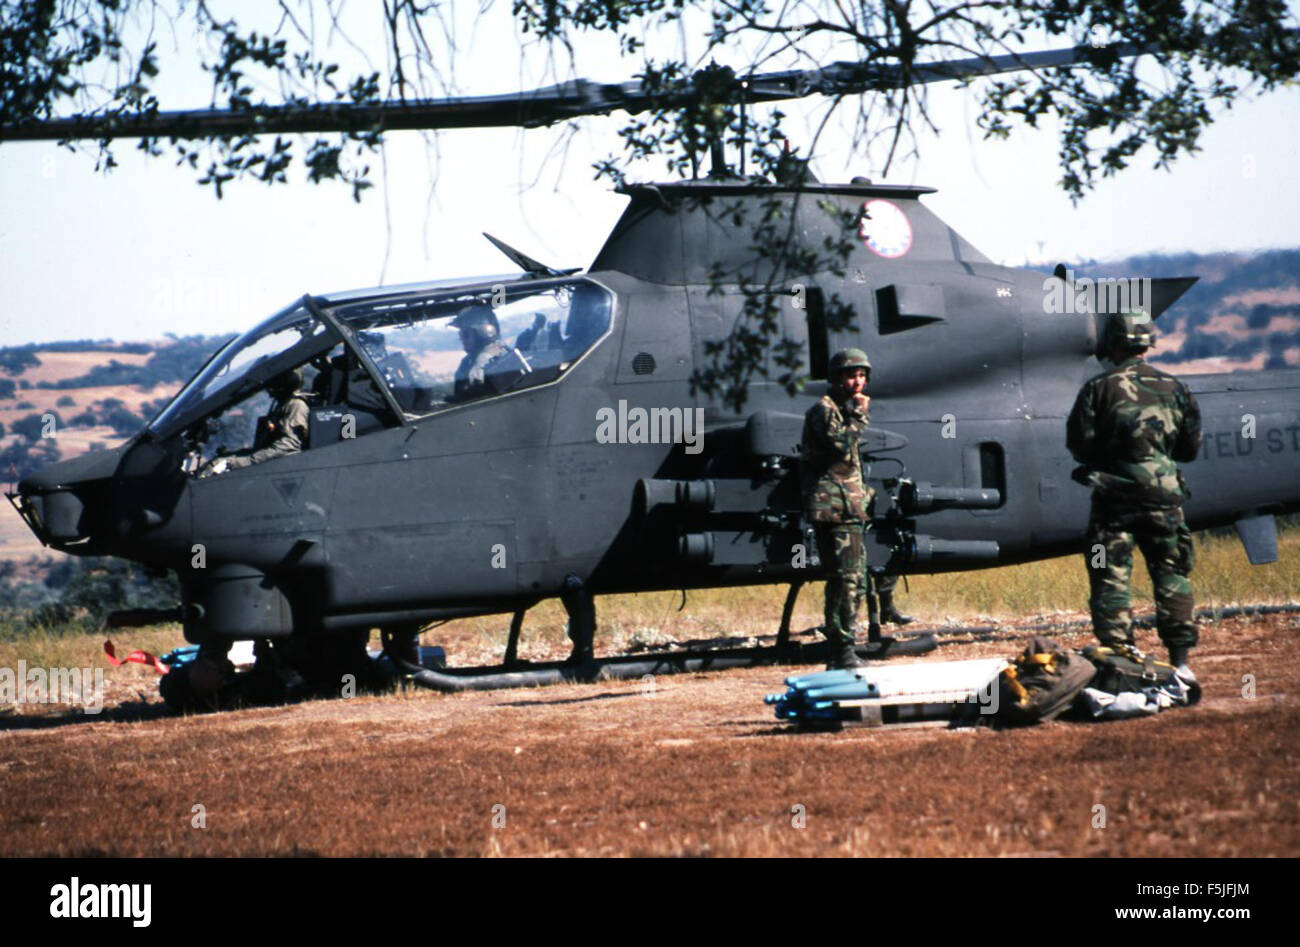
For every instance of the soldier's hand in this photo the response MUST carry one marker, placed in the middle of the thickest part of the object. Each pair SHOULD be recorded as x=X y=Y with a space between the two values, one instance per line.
x=213 y=468
x=861 y=404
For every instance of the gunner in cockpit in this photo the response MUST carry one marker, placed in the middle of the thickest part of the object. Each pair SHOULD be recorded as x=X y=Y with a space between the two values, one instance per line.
x=283 y=431
x=480 y=336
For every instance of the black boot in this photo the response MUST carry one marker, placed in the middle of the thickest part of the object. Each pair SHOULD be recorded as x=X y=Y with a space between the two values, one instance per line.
x=844 y=657
x=891 y=615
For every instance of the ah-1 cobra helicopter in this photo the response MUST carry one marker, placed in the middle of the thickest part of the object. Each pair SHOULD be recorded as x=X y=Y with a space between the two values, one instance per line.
x=584 y=462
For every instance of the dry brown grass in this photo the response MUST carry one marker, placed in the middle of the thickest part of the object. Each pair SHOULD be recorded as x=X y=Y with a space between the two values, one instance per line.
x=1223 y=576
x=46 y=399
x=56 y=366
x=695 y=767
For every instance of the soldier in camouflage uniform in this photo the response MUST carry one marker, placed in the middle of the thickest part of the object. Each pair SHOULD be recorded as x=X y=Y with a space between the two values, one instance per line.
x=1129 y=428
x=836 y=499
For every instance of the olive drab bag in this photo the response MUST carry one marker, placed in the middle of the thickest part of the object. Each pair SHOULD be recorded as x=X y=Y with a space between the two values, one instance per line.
x=1042 y=683
x=1126 y=670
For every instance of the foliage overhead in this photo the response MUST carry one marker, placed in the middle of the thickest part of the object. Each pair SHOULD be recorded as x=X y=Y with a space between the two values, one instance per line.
x=108 y=58
x=117 y=59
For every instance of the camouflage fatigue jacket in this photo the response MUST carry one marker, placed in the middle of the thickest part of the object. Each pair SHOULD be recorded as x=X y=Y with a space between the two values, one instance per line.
x=1129 y=427
x=831 y=467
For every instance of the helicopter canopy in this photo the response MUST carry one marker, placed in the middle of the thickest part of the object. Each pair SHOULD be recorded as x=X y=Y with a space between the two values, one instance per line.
x=289 y=338
x=430 y=348
x=413 y=341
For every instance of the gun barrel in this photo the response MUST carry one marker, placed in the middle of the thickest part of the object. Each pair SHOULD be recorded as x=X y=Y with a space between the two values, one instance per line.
x=922 y=497
x=948 y=551
x=697 y=496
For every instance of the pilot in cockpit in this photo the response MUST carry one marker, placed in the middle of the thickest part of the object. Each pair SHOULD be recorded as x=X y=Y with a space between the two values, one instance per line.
x=480 y=337
x=281 y=432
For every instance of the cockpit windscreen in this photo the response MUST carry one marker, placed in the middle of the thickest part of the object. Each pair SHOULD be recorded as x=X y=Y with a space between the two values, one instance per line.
x=441 y=349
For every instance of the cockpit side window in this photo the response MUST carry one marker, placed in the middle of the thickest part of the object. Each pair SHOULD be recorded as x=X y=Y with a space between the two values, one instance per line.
x=438 y=350
x=270 y=423
x=248 y=363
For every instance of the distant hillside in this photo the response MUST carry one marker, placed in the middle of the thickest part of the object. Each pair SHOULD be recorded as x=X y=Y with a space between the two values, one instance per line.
x=89 y=395
x=1242 y=314
x=95 y=392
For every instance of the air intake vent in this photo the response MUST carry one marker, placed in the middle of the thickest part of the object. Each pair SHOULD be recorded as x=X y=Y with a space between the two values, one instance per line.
x=643 y=364
x=900 y=307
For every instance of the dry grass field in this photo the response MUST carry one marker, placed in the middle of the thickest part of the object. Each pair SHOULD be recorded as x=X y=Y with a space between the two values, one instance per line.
x=689 y=765
x=692 y=765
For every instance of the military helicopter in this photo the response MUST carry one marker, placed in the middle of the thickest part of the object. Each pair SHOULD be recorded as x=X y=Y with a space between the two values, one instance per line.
x=580 y=460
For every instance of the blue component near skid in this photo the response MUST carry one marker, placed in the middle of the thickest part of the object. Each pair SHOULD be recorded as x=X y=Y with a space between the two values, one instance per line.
x=821 y=678
x=856 y=690
x=813 y=696
x=179 y=657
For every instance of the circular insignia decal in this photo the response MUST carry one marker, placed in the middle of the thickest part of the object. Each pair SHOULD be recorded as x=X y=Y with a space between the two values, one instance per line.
x=885 y=228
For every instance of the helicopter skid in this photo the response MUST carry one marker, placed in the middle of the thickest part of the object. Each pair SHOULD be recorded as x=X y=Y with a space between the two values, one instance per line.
x=647 y=666
x=275 y=683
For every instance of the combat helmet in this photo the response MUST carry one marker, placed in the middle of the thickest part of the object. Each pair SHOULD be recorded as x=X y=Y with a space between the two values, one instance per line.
x=481 y=321
x=1129 y=329
x=285 y=383
x=847 y=359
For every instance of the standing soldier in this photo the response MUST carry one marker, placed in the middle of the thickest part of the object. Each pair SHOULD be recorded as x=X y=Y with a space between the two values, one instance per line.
x=1128 y=429
x=836 y=499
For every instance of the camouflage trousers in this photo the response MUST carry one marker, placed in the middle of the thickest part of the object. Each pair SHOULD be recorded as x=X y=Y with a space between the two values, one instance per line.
x=1166 y=544
x=843 y=555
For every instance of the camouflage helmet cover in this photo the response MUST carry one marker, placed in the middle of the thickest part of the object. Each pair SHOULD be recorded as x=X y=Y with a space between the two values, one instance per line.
x=847 y=359
x=1130 y=329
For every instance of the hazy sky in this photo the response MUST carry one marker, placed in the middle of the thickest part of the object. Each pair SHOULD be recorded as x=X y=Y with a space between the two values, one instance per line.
x=144 y=250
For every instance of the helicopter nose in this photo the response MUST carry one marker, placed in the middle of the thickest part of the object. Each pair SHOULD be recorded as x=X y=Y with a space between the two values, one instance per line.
x=59 y=503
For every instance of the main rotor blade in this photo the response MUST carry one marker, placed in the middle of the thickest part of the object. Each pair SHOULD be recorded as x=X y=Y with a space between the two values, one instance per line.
x=543 y=106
